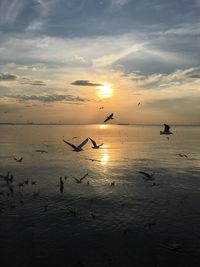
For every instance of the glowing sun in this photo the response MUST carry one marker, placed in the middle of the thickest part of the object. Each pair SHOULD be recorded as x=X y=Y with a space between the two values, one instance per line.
x=105 y=91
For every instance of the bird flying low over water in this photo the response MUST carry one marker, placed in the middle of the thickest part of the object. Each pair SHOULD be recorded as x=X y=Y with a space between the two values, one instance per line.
x=79 y=181
x=77 y=148
x=18 y=160
x=95 y=146
x=110 y=117
x=166 y=130
x=147 y=176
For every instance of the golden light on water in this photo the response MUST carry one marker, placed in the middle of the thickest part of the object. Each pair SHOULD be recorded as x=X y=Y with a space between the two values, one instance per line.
x=104 y=156
x=103 y=126
x=105 y=91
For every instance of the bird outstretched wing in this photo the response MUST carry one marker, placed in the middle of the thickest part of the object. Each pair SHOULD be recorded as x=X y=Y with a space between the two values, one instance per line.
x=75 y=147
x=145 y=173
x=84 y=177
x=83 y=143
x=93 y=142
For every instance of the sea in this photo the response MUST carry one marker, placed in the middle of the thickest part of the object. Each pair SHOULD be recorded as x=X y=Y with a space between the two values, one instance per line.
x=117 y=215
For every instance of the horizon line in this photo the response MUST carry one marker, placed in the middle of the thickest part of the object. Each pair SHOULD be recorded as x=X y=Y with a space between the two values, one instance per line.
x=119 y=124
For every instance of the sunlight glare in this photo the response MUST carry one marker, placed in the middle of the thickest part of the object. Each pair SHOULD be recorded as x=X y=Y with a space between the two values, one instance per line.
x=105 y=91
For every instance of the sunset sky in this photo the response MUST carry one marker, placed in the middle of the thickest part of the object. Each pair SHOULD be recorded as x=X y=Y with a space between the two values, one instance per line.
x=62 y=60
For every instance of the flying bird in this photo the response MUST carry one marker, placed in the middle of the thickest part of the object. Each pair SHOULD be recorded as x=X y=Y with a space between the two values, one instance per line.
x=95 y=146
x=79 y=181
x=18 y=160
x=147 y=176
x=77 y=148
x=101 y=108
x=166 y=130
x=110 y=117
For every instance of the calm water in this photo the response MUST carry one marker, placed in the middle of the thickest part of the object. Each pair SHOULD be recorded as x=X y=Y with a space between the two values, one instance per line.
x=134 y=223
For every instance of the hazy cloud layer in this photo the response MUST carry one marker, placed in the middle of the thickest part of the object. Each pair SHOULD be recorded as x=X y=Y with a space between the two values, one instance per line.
x=7 y=77
x=85 y=83
x=47 y=98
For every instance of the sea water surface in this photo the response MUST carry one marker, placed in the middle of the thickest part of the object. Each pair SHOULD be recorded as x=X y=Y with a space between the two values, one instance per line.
x=135 y=222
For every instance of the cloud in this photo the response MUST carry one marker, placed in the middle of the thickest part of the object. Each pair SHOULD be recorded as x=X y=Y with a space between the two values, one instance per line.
x=32 y=82
x=159 y=81
x=48 y=98
x=85 y=83
x=7 y=77
x=9 y=10
x=21 y=80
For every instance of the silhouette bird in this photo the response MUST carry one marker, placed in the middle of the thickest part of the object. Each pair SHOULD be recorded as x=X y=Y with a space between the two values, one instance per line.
x=95 y=146
x=147 y=176
x=79 y=181
x=18 y=160
x=166 y=130
x=182 y=155
x=110 y=117
x=138 y=104
x=76 y=148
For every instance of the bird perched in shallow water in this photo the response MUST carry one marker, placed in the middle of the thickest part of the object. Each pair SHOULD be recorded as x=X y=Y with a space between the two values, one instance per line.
x=110 y=117
x=166 y=130
x=95 y=146
x=76 y=148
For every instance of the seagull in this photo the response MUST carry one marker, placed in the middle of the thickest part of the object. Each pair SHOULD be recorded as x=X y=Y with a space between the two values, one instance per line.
x=79 y=181
x=182 y=155
x=95 y=146
x=101 y=108
x=166 y=130
x=18 y=160
x=110 y=117
x=77 y=148
x=148 y=176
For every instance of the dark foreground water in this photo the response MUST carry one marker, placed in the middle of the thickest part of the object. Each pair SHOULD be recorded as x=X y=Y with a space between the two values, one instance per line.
x=133 y=223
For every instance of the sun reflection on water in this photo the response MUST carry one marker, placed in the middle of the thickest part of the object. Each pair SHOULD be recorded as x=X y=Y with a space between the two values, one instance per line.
x=104 y=156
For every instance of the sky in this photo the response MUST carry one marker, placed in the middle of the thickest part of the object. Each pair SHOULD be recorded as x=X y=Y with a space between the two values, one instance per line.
x=77 y=61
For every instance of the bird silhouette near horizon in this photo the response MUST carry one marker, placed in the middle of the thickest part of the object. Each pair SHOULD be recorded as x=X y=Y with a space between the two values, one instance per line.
x=95 y=146
x=166 y=130
x=110 y=117
x=76 y=148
